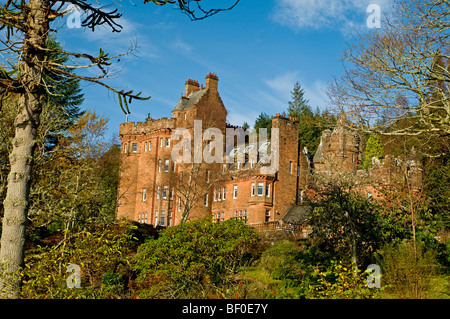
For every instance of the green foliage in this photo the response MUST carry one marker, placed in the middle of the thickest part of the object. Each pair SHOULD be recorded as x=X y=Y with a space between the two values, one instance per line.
x=102 y=255
x=344 y=225
x=195 y=259
x=299 y=105
x=263 y=121
x=374 y=148
x=311 y=123
x=408 y=273
x=340 y=282
x=279 y=260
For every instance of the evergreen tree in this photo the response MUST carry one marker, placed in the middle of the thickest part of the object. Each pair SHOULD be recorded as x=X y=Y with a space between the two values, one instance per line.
x=263 y=121
x=299 y=105
x=374 y=148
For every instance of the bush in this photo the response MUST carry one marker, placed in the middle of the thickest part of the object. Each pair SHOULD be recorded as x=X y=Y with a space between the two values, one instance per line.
x=198 y=259
x=408 y=276
x=103 y=258
x=279 y=260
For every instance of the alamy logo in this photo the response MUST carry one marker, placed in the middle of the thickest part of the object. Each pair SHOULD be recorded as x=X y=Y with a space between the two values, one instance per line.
x=374 y=19
x=74 y=279
x=374 y=279
x=74 y=18
x=208 y=146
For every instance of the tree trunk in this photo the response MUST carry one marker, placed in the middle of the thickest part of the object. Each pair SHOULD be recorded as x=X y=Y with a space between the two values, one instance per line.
x=16 y=203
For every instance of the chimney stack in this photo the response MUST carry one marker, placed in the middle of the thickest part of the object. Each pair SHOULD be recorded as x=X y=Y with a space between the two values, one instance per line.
x=212 y=81
x=190 y=85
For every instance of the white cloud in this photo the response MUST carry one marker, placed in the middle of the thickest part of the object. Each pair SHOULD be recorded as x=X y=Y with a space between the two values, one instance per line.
x=181 y=46
x=319 y=14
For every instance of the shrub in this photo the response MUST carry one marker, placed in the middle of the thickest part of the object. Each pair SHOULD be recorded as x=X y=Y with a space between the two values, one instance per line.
x=197 y=259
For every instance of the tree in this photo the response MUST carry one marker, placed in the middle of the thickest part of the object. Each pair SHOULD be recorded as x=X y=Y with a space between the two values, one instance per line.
x=311 y=124
x=344 y=224
x=400 y=72
x=374 y=148
x=299 y=105
x=263 y=121
x=26 y=26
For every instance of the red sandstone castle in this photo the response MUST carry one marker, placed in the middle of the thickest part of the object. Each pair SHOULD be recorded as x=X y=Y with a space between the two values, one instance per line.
x=156 y=189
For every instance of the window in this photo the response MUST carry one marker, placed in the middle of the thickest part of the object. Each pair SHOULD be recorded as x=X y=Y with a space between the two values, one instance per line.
x=223 y=193
x=267 y=215
x=125 y=147
x=172 y=192
x=156 y=219
x=207 y=175
x=215 y=194
x=260 y=189
x=219 y=194
x=206 y=200
x=164 y=192
x=290 y=167
x=267 y=189
x=157 y=192
x=149 y=146
x=139 y=218
x=145 y=146
x=179 y=114
x=167 y=141
x=223 y=216
x=159 y=166
x=134 y=147
x=161 y=142
x=235 y=213
x=300 y=195
x=166 y=165
x=144 y=194
x=145 y=218
x=235 y=191
x=245 y=213
x=162 y=217
x=185 y=116
x=252 y=162
x=253 y=189
x=179 y=204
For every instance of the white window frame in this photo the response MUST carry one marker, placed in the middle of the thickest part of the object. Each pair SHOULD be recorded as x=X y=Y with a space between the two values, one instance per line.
x=144 y=194
x=167 y=141
x=253 y=189
x=133 y=149
x=260 y=187
x=235 y=189
x=164 y=192
x=267 y=189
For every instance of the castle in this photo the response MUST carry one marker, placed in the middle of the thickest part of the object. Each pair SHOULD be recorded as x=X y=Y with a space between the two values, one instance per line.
x=157 y=188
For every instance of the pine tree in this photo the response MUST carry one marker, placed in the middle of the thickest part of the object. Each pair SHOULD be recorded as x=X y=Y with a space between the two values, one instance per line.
x=374 y=148
x=299 y=105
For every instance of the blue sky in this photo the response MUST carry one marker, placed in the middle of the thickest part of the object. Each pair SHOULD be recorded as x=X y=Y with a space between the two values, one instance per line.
x=258 y=50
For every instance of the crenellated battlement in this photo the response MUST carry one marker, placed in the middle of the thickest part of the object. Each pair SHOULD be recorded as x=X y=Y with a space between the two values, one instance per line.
x=147 y=126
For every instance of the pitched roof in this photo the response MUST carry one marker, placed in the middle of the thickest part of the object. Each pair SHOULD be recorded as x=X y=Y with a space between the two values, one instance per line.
x=297 y=214
x=190 y=102
x=318 y=155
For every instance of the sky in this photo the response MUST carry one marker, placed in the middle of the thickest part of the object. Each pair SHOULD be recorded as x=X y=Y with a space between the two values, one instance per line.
x=259 y=49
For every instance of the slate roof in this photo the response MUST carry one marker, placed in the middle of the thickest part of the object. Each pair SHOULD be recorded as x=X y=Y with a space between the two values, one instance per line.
x=297 y=214
x=190 y=102
x=318 y=156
